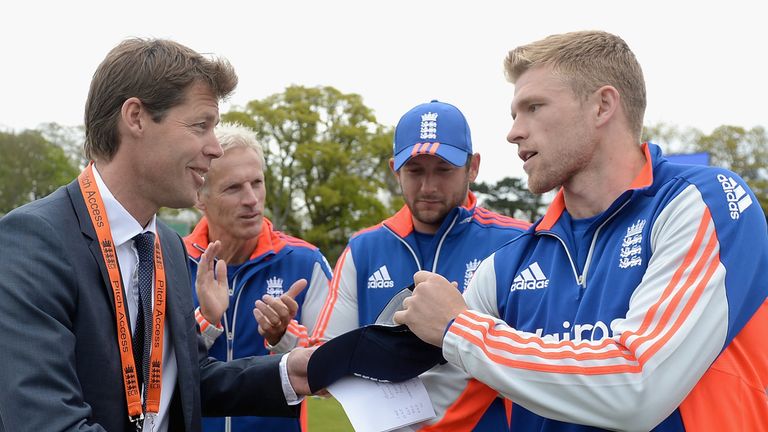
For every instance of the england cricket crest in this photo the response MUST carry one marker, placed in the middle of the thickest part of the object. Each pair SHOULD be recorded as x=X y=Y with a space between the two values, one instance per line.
x=275 y=286
x=471 y=267
x=428 y=129
x=631 y=246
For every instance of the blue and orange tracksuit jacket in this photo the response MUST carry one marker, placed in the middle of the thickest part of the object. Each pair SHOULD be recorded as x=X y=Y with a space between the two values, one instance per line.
x=654 y=319
x=278 y=261
x=380 y=261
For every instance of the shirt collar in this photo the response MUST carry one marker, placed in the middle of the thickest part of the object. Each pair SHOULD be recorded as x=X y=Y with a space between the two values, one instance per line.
x=122 y=225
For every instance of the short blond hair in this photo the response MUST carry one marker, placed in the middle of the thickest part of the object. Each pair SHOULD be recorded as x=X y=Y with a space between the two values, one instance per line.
x=233 y=135
x=587 y=60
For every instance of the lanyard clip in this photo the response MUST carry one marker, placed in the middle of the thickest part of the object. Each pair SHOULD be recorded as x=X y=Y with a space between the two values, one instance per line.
x=138 y=420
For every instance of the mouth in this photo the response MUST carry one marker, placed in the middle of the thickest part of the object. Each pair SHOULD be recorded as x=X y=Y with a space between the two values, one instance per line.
x=200 y=172
x=428 y=202
x=526 y=155
x=250 y=216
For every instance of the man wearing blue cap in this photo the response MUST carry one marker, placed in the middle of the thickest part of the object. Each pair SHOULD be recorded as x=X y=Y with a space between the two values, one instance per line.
x=440 y=229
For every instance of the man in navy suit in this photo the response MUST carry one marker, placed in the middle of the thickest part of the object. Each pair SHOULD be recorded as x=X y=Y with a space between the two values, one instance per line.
x=69 y=279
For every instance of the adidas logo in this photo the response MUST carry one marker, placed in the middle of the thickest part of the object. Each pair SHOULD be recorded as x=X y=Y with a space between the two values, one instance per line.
x=530 y=278
x=737 y=197
x=380 y=279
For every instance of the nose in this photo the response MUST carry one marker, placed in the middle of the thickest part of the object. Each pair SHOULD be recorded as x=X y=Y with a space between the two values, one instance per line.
x=249 y=197
x=212 y=148
x=516 y=133
x=429 y=183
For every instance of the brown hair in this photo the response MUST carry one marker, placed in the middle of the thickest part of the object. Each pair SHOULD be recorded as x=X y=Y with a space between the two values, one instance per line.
x=587 y=60
x=157 y=72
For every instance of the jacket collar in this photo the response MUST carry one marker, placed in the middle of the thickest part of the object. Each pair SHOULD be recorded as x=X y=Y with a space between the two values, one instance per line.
x=643 y=180
x=401 y=223
x=269 y=241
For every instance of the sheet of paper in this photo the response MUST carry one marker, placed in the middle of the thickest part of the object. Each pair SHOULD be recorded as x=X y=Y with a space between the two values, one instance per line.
x=373 y=406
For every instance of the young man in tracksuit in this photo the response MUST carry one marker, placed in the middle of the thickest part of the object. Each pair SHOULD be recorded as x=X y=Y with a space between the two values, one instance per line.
x=638 y=302
x=262 y=264
x=440 y=229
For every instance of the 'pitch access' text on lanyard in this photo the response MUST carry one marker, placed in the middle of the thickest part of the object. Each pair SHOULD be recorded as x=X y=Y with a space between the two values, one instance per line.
x=98 y=215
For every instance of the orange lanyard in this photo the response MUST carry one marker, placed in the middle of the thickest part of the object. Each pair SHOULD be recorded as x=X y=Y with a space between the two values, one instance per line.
x=97 y=212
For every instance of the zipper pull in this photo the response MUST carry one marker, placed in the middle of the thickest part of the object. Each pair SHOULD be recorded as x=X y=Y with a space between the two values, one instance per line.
x=580 y=291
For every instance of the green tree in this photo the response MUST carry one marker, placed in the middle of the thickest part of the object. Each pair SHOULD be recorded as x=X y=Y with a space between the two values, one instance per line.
x=32 y=168
x=327 y=163
x=510 y=196
x=69 y=138
x=742 y=151
x=672 y=138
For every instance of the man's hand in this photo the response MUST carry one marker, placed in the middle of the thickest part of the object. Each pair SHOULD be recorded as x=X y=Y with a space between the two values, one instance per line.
x=274 y=314
x=298 y=360
x=212 y=292
x=434 y=303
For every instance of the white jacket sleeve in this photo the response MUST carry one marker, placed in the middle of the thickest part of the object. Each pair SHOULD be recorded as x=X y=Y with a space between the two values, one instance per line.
x=317 y=292
x=208 y=331
x=339 y=314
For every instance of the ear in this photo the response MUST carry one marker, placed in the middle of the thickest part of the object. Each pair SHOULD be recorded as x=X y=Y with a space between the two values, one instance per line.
x=608 y=104
x=474 y=167
x=199 y=204
x=392 y=168
x=131 y=114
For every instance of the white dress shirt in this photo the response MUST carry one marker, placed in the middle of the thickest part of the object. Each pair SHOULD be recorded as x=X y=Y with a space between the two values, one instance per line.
x=124 y=227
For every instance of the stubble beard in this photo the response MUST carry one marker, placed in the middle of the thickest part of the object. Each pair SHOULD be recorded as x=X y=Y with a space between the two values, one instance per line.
x=437 y=216
x=435 y=219
x=544 y=182
x=568 y=163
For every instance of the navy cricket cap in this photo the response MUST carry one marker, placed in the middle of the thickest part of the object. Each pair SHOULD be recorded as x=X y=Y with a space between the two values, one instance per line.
x=377 y=352
x=435 y=128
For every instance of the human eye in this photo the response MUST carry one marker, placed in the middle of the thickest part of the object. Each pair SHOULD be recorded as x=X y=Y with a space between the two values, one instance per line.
x=198 y=127
x=414 y=170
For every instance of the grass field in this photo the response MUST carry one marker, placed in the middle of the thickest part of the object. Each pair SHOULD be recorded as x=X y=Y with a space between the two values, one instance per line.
x=326 y=415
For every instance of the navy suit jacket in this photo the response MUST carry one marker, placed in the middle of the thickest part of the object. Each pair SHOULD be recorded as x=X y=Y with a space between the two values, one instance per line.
x=59 y=361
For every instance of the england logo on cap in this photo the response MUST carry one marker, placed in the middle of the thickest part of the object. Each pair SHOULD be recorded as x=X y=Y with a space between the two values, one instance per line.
x=428 y=126
x=419 y=132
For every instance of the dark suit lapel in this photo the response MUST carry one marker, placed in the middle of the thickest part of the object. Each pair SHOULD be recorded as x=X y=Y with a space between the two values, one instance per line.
x=86 y=227
x=176 y=311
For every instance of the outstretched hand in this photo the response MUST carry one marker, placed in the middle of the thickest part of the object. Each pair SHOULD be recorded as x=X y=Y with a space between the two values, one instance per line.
x=212 y=292
x=275 y=313
x=298 y=361
x=434 y=303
